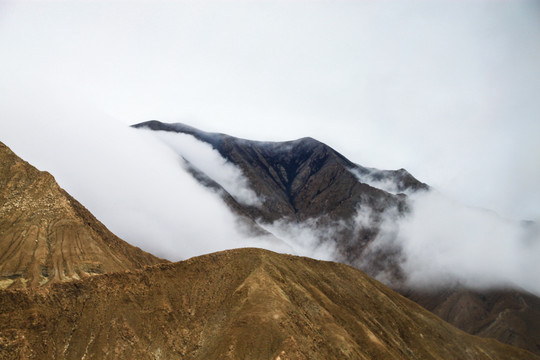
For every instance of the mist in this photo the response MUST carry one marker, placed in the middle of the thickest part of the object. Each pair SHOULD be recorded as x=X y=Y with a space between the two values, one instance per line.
x=447 y=243
x=130 y=180
x=208 y=160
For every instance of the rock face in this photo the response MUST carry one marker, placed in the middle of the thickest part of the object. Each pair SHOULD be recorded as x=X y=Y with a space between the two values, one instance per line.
x=47 y=236
x=238 y=304
x=306 y=179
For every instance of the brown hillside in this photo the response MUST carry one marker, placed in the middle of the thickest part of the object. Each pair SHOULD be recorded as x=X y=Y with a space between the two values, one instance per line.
x=237 y=304
x=48 y=236
x=510 y=316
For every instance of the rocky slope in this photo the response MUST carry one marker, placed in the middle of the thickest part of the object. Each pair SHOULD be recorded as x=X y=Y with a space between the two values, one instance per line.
x=238 y=304
x=47 y=236
x=306 y=179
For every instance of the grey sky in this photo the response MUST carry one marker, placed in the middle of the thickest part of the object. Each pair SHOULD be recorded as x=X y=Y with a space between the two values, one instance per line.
x=449 y=90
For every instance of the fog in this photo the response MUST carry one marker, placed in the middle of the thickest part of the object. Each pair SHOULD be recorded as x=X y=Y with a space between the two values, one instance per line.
x=127 y=178
x=204 y=158
x=446 y=243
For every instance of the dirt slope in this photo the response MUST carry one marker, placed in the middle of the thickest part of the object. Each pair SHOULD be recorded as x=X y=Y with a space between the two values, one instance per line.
x=47 y=236
x=237 y=304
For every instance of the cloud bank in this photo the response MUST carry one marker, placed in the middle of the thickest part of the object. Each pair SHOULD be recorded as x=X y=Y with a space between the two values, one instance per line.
x=129 y=179
x=446 y=242
x=208 y=160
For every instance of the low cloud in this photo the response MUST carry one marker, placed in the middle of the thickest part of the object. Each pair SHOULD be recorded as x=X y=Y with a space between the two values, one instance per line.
x=445 y=243
x=130 y=180
x=370 y=177
x=306 y=238
x=136 y=185
x=208 y=160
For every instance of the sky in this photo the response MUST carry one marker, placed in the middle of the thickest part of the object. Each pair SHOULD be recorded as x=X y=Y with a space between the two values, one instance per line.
x=449 y=90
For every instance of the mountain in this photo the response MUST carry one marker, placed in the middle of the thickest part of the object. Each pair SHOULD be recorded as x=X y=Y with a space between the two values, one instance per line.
x=510 y=316
x=305 y=180
x=47 y=236
x=237 y=304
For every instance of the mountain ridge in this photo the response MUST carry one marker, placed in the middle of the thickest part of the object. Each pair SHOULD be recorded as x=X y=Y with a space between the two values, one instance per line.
x=235 y=304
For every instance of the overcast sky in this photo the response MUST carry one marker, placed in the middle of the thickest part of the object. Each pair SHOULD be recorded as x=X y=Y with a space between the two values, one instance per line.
x=449 y=90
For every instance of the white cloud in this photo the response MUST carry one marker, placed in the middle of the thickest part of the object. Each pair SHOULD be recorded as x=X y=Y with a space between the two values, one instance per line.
x=445 y=242
x=128 y=178
x=306 y=238
x=202 y=156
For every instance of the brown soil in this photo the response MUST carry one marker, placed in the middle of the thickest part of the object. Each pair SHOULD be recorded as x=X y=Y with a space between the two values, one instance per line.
x=237 y=304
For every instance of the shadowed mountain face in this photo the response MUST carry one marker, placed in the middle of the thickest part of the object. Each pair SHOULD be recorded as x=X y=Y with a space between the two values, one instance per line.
x=47 y=236
x=238 y=304
x=305 y=179
x=302 y=179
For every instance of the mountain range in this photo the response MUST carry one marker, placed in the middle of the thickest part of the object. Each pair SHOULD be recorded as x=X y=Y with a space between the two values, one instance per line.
x=306 y=181
x=73 y=290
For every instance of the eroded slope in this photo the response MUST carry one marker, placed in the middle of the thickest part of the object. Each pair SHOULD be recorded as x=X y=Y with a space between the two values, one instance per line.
x=48 y=236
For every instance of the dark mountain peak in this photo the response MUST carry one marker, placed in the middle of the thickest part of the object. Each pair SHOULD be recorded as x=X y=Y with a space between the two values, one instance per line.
x=303 y=178
x=212 y=138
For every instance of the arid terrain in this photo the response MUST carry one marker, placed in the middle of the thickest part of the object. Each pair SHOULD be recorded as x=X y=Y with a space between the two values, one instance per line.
x=237 y=304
